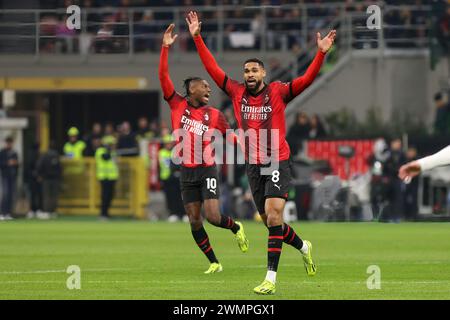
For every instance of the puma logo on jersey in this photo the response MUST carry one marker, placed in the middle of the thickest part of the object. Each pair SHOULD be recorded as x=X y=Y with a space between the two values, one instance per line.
x=213 y=190
x=206 y=117
x=187 y=111
x=278 y=186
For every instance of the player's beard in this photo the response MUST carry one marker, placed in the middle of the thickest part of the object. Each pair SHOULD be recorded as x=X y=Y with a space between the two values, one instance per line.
x=255 y=89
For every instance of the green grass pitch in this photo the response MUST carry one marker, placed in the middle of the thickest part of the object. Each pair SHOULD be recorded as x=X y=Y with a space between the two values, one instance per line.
x=144 y=260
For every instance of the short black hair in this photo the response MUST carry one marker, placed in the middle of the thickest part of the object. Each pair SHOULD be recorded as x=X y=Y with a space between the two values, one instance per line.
x=438 y=96
x=187 y=83
x=254 y=60
x=9 y=139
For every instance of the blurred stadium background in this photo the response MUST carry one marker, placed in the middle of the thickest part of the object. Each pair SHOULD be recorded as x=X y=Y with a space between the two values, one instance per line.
x=381 y=99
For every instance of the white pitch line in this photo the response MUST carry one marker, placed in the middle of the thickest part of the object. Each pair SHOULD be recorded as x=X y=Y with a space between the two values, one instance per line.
x=60 y=271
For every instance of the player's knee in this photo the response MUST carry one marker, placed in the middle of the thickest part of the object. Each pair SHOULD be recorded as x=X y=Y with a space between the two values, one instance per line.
x=274 y=217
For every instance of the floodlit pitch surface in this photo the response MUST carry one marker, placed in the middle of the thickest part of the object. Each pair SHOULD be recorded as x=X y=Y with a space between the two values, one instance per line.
x=144 y=260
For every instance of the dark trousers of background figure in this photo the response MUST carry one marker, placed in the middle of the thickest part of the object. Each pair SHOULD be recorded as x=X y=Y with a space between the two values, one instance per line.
x=107 y=196
x=396 y=200
x=36 y=200
x=172 y=193
x=8 y=194
x=411 y=207
x=50 y=191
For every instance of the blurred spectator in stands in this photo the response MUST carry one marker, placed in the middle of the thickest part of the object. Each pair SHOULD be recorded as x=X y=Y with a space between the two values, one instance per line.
x=145 y=30
x=47 y=29
x=107 y=172
x=444 y=30
x=298 y=133
x=411 y=189
x=442 y=118
x=92 y=139
x=33 y=182
x=93 y=18
x=396 y=186
x=317 y=130
x=154 y=127
x=49 y=170
x=169 y=175
x=9 y=167
x=64 y=38
x=121 y=29
x=144 y=132
x=127 y=145
x=104 y=41
x=110 y=132
x=257 y=28
x=74 y=148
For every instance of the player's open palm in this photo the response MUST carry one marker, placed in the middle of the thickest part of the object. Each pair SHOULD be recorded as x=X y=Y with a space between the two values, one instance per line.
x=168 y=38
x=193 y=23
x=326 y=43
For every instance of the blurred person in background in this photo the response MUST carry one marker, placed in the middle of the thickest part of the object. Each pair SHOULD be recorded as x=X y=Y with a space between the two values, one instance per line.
x=9 y=167
x=49 y=171
x=317 y=130
x=411 y=189
x=127 y=145
x=155 y=128
x=396 y=187
x=110 y=132
x=144 y=30
x=144 y=132
x=442 y=118
x=169 y=175
x=95 y=135
x=33 y=181
x=74 y=148
x=107 y=172
x=298 y=133
x=379 y=183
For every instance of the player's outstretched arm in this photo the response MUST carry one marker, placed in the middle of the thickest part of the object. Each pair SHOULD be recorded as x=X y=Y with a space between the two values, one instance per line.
x=164 y=76
x=414 y=168
x=211 y=66
x=324 y=45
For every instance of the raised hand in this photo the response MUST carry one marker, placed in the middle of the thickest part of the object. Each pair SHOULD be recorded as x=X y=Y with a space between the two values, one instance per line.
x=168 y=38
x=325 y=44
x=193 y=23
x=409 y=171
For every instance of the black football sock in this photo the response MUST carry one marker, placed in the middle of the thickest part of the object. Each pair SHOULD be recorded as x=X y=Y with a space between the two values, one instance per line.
x=202 y=240
x=228 y=223
x=290 y=237
x=274 y=247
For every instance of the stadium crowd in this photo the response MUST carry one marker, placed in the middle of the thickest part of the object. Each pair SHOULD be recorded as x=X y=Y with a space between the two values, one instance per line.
x=108 y=31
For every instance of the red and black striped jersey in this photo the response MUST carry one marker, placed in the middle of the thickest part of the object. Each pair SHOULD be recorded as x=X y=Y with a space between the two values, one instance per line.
x=261 y=113
x=193 y=126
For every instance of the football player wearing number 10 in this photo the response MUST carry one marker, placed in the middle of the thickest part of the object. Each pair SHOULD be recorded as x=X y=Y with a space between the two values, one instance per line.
x=259 y=107
x=195 y=119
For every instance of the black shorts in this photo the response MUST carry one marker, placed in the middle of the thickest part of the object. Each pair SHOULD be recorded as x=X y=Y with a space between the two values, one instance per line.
x=199 y=184
x=275 y=185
